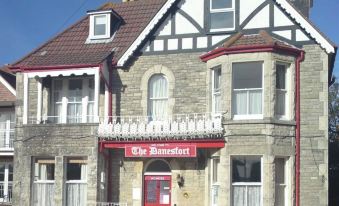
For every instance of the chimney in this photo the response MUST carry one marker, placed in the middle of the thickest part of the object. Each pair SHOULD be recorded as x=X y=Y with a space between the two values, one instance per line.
x=127 y=0
x=304 y=6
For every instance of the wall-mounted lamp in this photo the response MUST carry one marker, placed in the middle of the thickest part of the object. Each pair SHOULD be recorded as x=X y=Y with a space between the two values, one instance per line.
x=180 y=181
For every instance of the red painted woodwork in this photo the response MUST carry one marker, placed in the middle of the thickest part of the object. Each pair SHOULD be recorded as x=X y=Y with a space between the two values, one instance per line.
x=160 y=150
x=157 y=191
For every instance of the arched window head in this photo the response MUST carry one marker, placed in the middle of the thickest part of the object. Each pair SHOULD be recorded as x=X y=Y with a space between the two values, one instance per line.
x=157 y=97
x=158 y=166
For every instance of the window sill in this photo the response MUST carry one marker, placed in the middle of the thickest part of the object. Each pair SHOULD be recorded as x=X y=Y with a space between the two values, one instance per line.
x=260 y=121
x=248 y=117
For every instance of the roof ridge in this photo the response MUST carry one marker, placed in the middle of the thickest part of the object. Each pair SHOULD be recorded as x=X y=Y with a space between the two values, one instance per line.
x=232 y=39
x=267 y=37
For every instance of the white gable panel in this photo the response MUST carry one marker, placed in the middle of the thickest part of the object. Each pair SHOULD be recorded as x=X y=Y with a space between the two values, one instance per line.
x=183 y=26
x=194 y=8
x=217 y=39
x=158 y=45
x=202 y=42
x=280 y=19
x=173 y=44
x=167 y=29
x=287 y=34
x=260 y=20
x=247 y=7
x=300 y=36
x=309 y=28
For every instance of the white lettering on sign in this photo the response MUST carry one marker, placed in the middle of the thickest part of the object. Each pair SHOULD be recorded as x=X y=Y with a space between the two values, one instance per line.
x=138 y=151
x=160 y=150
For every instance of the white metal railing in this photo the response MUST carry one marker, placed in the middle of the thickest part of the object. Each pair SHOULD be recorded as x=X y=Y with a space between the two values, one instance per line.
x=184 y=126
x=7 y=134
x=111 y=204
x=76 y=119
x=5 y=192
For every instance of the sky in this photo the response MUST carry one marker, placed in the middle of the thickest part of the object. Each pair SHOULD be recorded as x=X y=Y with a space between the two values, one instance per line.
x=26 y=24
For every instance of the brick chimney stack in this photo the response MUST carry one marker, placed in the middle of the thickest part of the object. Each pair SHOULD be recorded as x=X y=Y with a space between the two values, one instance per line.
x=304 y=6
x=127 y=0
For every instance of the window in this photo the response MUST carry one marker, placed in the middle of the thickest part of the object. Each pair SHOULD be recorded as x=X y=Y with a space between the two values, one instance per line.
x=216 y=90
x=158 y=97
x=43 y=182
x=246 y=181
x=215 y=164
x=6 y=180
x=221 y=15
x=7 y=124
x=281 y=179
x=100 y=26
x=73 y=100
x=247 y=90
x=76 y=182
x=281 y=91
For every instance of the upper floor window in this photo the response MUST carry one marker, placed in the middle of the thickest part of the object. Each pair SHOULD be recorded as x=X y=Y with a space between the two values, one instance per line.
x=281 y=103
x=247 y=100
x=73 y=100
x=100 y=25
x=157 y=97
x=221 y=15
x=216 y=90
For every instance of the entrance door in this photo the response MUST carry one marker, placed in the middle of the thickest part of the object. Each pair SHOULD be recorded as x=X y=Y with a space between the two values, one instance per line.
x=157 y=190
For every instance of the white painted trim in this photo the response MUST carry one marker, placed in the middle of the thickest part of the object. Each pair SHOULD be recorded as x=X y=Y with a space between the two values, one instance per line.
x=7 y=85
x=107 y=25
x=106 y=103
x=309 y=28
x=157 y=173
x=25 y=105
x=7 y=153
x=96 y=94
x=39 y=103
x=145 y=32
x=69 y=72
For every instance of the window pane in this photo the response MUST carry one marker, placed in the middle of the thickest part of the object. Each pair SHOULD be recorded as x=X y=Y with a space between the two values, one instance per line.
x=240 y=102
x=253 y=195
x=99 y=25
x=247 y=75
x=246 y=169
x=280 y=102
x=216 y=162
x=221 y=4
x=158 y=97
x=255 y=102
x=216 y=78
x=281 y=76
x=164 y=192
x=76 y=171
x=280 y=170
x=279 y=195
x=151 y=196
x=2 y=172
x=239 y=195
x=222 y=20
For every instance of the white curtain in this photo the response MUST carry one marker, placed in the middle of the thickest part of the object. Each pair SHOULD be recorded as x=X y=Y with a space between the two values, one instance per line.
x=158 y=97
x=255 y=101
x=74 y=112
x=43 y=194
x=217 y=102
x=76 y=194
x=240 y=104
x=43 y=172
x=246 y=195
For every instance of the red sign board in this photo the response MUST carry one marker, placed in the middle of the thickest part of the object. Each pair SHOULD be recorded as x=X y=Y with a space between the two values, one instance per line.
x=161 y=150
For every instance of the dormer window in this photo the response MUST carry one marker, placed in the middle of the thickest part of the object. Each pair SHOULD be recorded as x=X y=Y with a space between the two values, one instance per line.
x=100 y=25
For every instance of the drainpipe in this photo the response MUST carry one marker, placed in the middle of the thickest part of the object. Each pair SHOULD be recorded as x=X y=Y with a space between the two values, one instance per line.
x=299 y=59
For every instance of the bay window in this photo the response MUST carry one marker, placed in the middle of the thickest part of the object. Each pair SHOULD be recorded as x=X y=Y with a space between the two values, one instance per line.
x=216 y=90
x=247 y=90
x=221 y=15
x=76 y=182
x=73 y=100
x=43 y=182
x=246 y=181
x=215 y=164
x=281 y=102
x=281 y=182
x=158 y=97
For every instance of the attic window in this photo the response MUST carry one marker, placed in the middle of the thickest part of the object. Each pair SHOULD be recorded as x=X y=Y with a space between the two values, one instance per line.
x=100 y=25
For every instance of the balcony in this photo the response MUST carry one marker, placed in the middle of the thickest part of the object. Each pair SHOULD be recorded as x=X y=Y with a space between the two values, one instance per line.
x=6 y=135
x=177 y=127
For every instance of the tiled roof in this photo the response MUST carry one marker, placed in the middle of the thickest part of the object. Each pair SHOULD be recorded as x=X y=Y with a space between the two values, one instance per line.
x=69 y=48
x=260 y=39
x=5 y=94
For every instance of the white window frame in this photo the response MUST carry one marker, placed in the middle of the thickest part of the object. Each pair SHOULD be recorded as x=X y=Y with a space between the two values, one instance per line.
x=250 y=116
x=223 y=10
x=287 y=184
x=248 y=183
x=214 y=185
x=92 y=26
x=64 y=103
x=7 y=183
x=215 y=92
x=287 y=89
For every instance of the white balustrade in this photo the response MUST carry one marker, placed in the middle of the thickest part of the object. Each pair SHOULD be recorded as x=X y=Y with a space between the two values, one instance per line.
x=187 y=126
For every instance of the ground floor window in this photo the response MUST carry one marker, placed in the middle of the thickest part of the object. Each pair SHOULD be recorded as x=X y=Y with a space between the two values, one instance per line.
x=76 y=182
x=6 y=180
x=215 y=163
x=281 y=182
x=246 y=181
x=43 y=182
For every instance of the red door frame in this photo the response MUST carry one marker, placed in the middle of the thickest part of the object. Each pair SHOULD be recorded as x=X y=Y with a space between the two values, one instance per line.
x=158 y=179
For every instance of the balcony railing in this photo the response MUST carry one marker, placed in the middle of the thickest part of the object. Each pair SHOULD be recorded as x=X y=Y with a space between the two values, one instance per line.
x=180 y=127
x=75 y=119
x=5 y=193
x=6 y=134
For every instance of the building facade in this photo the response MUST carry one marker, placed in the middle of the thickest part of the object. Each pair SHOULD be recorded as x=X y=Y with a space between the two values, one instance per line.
x=176 y=102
